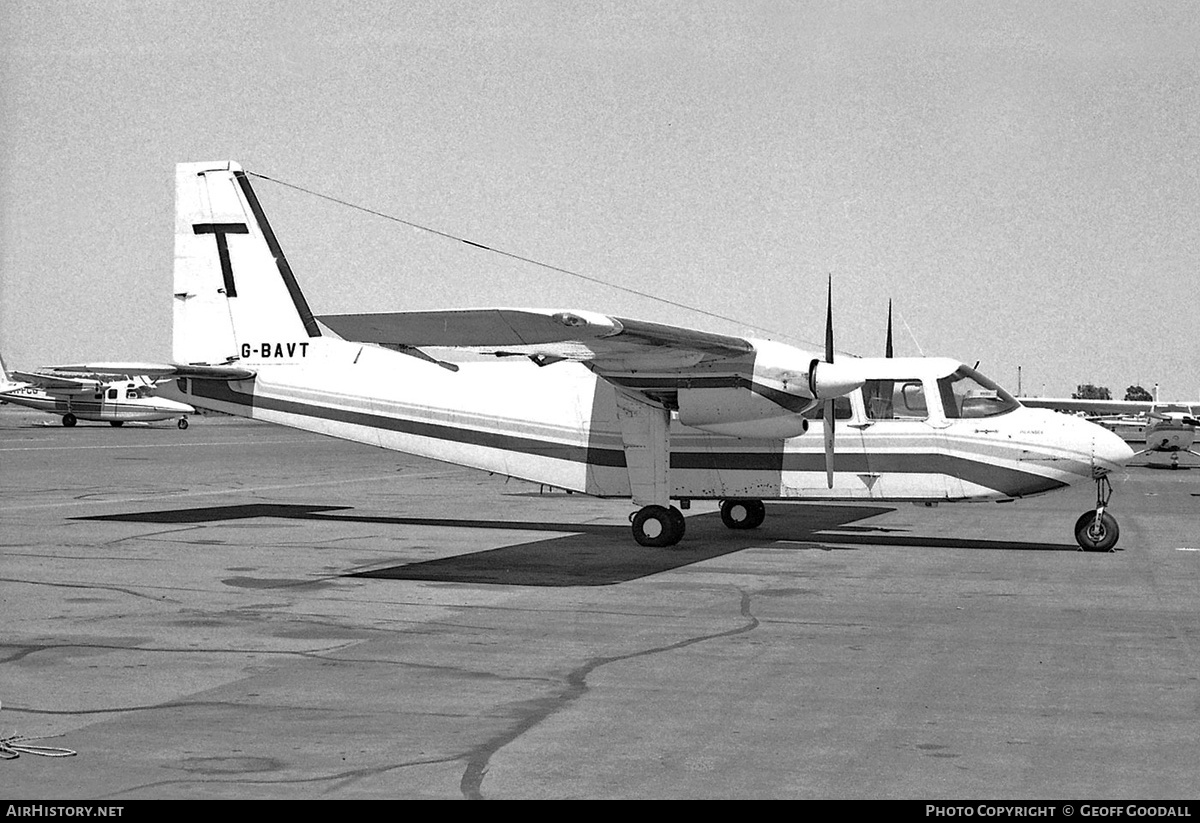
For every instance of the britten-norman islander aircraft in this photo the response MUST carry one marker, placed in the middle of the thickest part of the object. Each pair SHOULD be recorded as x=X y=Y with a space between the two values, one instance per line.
x=83 y=393
x=602 y=405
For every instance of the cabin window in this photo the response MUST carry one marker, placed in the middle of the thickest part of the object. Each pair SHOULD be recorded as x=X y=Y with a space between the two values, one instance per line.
x=841 y=410
x=967 y=393
x=112 y=394
x=895 y=400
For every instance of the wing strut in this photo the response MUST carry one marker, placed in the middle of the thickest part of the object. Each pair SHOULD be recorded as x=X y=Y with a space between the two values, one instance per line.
x=645 y=430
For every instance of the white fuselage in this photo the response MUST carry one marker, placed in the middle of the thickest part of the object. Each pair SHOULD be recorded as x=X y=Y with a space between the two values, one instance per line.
x=558 y=425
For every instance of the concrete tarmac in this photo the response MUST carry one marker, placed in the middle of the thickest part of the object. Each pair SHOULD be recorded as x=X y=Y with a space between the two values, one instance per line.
x=244 y=611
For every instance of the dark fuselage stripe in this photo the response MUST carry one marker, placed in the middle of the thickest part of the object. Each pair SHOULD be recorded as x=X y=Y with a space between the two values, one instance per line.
x=524 y=445
x=1011 y=482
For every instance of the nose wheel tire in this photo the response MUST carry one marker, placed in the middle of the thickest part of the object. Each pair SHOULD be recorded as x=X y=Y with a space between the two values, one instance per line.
x=183 y=422
x=1096 y=536
x=69 y=420
x=743 y=514
x=658 y=526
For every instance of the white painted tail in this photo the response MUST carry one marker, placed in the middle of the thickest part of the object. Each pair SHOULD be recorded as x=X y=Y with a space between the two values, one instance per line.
x=235 y=296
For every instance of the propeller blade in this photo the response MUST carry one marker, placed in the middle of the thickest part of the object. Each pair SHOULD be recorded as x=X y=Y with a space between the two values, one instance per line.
x=829 y=323
x=829 y=442
x=888 y=351
x=829 y=403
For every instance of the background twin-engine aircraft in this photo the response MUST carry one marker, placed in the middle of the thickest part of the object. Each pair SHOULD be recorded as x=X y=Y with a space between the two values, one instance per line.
x=92 y=393
x=603 y=405
x=1165 y=428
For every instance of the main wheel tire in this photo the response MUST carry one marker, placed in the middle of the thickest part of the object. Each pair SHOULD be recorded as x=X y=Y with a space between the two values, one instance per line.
x=743 y=514
x=1096 y=537
x=677 y=521
x=116 y=423
x=69 y=420
x=183 y=423
x=657 y=526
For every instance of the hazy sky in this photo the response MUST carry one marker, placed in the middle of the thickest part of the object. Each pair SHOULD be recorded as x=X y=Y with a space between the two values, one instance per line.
x=1021 y=178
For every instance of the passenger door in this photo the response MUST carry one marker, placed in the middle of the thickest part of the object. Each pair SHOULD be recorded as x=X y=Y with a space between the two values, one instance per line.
x=902 y=432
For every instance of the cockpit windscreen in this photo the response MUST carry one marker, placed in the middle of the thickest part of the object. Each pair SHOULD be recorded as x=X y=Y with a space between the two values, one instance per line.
x=967 y=393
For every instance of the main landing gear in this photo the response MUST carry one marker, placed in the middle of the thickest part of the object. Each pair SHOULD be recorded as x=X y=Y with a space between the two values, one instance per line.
x=664 y=525
x=743 y=514
x=183 y=423
x=69 y=420
x=1096 y=531
x=658 y=525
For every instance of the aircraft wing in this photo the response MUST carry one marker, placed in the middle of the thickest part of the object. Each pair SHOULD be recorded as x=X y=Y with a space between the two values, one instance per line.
x=609 y=344
x=727 y=385
x=64 y=382
x=1089 y=406
x=157 y=371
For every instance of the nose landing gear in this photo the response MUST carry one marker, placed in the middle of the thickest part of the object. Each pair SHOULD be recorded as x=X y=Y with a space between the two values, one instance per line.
x=1097 y=531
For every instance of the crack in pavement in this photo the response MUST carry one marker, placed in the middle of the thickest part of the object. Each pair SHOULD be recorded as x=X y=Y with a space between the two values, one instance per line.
x=531 y=713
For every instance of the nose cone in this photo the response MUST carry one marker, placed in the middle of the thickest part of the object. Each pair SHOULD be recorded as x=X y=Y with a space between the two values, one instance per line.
x=1109 y=452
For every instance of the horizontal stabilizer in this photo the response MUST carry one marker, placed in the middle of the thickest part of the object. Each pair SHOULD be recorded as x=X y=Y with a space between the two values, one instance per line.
x=201 y=371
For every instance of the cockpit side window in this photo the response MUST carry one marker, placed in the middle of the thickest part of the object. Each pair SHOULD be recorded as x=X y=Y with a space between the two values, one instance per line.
x=895 y=399
x=967 y=393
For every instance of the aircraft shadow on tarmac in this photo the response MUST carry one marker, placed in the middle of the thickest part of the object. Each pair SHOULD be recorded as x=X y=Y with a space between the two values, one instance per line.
x=592 y=554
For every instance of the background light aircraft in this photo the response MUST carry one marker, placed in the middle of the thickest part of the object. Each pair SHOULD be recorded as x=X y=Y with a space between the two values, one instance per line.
x=602 y=405
x=92 y=393
x=1167 y=428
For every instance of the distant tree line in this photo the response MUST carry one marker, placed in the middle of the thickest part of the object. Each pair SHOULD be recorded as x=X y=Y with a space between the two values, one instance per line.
x=1086 y=391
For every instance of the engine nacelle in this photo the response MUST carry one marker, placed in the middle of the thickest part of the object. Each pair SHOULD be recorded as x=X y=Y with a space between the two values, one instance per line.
x=829 y=380
x=738 y=412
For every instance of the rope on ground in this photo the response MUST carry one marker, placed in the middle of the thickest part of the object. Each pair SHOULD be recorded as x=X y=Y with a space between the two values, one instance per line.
x=14 y=746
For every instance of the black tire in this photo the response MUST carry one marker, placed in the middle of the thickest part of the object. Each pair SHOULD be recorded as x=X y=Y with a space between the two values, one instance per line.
x=743 y=514
x=116 y=423
x=656 y=526
x=69 y=420
x=183 y=422
x=677 y=521
x=1096 y=537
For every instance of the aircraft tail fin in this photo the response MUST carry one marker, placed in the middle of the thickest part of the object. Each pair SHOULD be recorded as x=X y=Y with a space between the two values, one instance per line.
x=6 y=382
x=236 y=298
